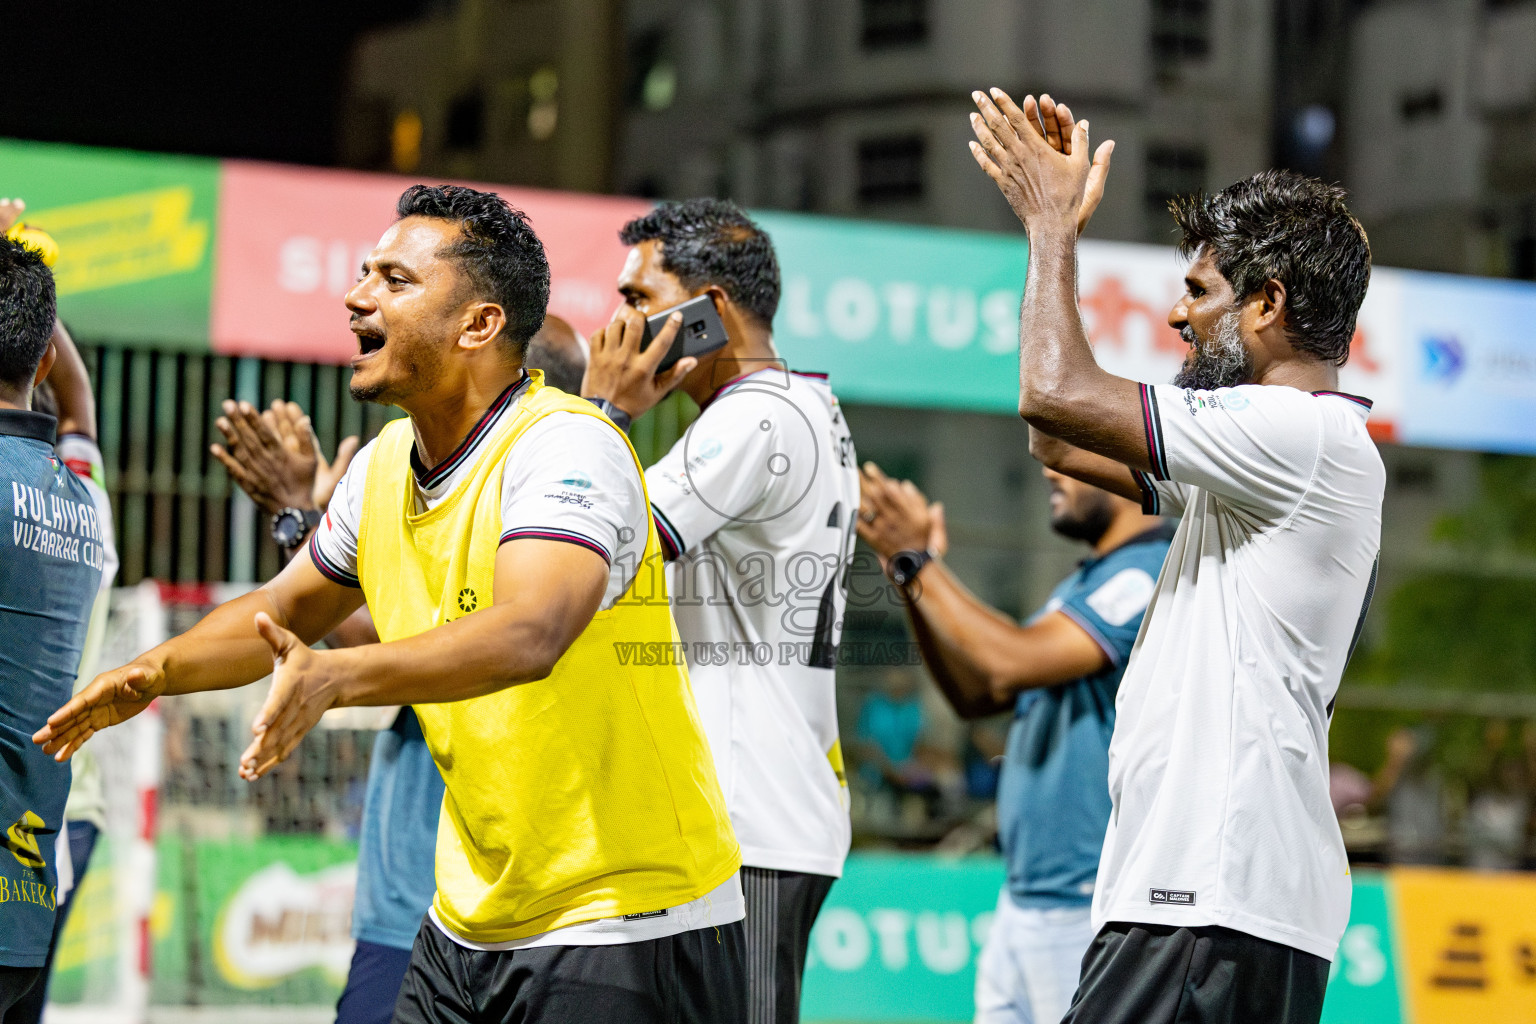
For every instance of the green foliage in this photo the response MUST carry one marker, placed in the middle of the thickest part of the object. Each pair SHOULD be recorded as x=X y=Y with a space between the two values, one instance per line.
x=1504 y=516
x=1449 y=629
x=1472 y=630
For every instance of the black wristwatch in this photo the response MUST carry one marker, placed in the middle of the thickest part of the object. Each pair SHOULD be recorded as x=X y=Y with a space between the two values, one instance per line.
x=905 y=565
x=619 y=416
x=291 y=525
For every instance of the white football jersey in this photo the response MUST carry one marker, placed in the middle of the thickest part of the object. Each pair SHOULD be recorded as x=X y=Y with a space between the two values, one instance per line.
x=758 y=501
x=572 y=479
x=1218 y=769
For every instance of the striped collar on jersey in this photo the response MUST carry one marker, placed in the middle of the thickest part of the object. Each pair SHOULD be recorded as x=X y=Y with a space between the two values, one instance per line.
x=1364 y=403
x=431 y=479
x=779 y=369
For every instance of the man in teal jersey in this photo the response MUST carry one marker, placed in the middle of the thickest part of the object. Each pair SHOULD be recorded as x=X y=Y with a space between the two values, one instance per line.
x=51 y=555
x=1058 y=673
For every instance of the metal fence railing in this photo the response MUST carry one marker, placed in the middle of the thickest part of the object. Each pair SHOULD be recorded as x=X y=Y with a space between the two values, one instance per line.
x=178 y=517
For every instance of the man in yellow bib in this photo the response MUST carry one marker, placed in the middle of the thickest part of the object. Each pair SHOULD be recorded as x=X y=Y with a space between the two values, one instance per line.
x=586 y=867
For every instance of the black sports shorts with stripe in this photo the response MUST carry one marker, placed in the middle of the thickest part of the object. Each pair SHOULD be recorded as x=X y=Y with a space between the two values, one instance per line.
x=781 y=907
x=1158 y=974
x=690 y=978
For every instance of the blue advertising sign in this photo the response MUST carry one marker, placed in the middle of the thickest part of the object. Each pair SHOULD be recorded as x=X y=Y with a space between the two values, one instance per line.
x=1470 y=377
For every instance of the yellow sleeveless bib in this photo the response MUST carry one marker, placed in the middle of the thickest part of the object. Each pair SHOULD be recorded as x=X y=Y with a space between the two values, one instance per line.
x=586 y=795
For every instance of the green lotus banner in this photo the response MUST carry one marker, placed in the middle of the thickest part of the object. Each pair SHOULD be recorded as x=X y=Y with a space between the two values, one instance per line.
x=900 y=935
x=901 y=315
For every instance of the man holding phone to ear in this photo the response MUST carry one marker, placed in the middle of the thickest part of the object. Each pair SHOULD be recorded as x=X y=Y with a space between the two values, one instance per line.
x=755 y=510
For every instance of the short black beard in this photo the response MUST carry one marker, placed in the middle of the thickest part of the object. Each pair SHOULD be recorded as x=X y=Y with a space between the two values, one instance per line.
x=1224 y=362
x=366 y=394
x=423 y=371
x=1085 y=524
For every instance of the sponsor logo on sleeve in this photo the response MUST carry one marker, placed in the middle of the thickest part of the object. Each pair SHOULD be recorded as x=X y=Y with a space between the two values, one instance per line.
x=1123 y=596
x=1229 y=399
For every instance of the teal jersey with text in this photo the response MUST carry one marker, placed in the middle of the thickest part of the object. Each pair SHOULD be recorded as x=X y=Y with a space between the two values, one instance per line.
x=1053 y=795
x=51 y=557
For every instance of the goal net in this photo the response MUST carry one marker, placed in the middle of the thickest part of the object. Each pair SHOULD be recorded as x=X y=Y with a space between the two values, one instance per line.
x=205 y=891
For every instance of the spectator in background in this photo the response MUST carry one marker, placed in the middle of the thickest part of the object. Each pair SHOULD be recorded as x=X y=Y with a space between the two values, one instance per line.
x=1349 y=789
x=892 y=738
x=51 y=561
x=67 y=396
x=1412 y=789
x=275 y=457
x=1059 y=674
x=561 y=352
x=1500 y=806
x=986 y=746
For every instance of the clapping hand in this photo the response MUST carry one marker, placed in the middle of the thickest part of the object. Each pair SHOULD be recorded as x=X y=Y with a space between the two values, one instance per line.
x=1038 y=157
x=10 y=212
x=275 y=457
x=895 y=516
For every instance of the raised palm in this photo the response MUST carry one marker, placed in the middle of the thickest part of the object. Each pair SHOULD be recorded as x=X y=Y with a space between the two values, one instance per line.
x=111 y=699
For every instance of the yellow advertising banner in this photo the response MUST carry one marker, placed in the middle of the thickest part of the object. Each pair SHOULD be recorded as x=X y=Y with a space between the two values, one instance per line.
x=1468 y=945
x=126 y=239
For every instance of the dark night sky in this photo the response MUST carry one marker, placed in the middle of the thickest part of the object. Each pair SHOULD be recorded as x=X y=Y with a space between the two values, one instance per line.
x=212 y=77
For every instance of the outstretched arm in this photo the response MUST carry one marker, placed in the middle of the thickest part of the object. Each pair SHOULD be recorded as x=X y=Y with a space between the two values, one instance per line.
x=224 y=650
x=981 y=659
x=1062 y=389
x=546 y=593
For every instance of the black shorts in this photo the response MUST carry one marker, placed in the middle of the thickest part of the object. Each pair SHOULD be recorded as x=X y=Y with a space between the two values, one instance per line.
x=781 y=907
x=1157 y=974
x=694 y=977
x=16 y=983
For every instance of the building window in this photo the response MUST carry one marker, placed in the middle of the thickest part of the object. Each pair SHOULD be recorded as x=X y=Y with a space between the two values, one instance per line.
x=1417 y=106
x=1181 y=30
x=1172 y=170
x=405 y=142
x=466 y=121
x=891 y=170
x=1523 y=250
x=894 y=23
x=651 y=82
x=543 y=103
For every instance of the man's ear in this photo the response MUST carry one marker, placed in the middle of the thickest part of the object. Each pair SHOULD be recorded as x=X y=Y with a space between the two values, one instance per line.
x=49 y=355
x=1271 y=305
x=722 y=301
x=482 y=325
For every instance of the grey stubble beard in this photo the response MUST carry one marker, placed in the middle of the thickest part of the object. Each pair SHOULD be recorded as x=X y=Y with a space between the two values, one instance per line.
x=1222 y=363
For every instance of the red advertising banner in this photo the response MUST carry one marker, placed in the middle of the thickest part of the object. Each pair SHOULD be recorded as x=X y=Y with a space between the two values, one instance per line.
x=291 y=239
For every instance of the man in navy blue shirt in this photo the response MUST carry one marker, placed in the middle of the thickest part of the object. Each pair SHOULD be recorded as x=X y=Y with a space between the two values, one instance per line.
x=1058 y=673
x=51 y=556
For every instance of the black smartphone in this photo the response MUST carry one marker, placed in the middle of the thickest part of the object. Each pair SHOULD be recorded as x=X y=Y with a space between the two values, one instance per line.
x=700 y=333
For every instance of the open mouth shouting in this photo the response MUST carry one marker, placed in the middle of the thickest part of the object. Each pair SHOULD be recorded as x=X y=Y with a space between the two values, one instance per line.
x=369 y=340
